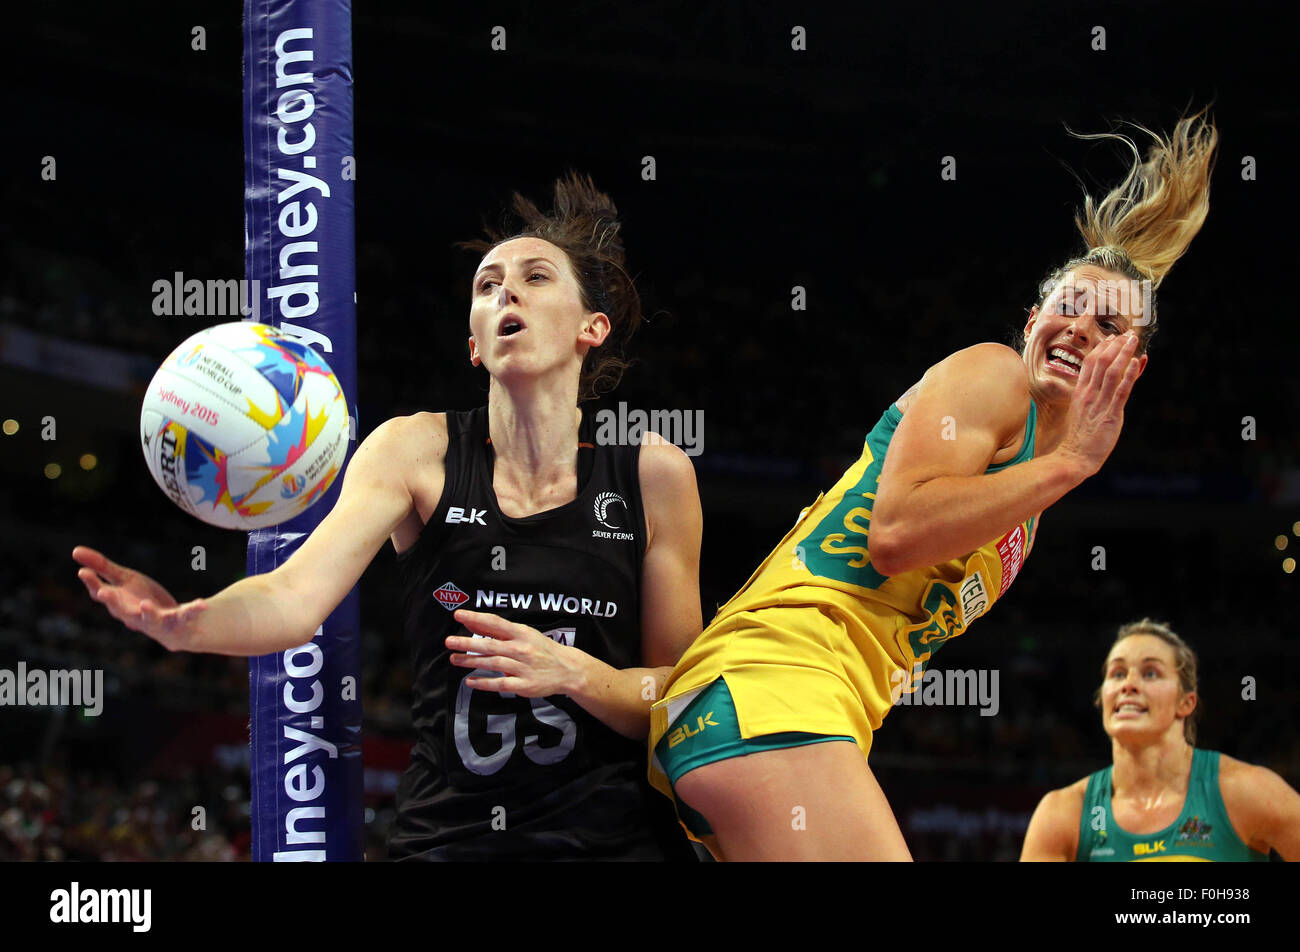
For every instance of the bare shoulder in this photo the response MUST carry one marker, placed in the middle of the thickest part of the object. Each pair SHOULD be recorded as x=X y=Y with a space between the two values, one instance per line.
x=986 y=366
x=663 y=466
x=985 y=378
x=427 y=432
x=981 y=391
x=1053 y=832
x=1263 y=808
x=420 y=438
x=669 y=493
x=1248 y=785
x=409 y=451
x=404 y=454
x=1067 y=802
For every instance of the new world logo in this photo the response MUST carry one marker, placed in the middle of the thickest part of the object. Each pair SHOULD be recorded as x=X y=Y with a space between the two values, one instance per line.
x=450 y=597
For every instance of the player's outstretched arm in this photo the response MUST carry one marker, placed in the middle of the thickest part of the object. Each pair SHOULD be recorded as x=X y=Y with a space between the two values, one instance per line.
x=935 y=502
x=1053 y=834
x=531 y=665
x=281 y=609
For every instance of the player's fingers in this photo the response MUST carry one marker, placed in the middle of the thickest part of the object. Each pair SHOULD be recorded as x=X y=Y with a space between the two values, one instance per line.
x=101 y=595
x=157 y=621
x=1095 y=368
x=149 y=614
x=481 y=645
x=98 y=562
x=511 y=685
x=1094 y=365
x=90 y=558
x=1086 y=371
x=91 y=581
x=111 y=599
x=1119 y=363
x=1125 y=387
x=487 y=663
x=485 y=623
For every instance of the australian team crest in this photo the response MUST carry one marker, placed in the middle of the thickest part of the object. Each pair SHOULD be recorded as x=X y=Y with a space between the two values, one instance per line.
x=1194 y=832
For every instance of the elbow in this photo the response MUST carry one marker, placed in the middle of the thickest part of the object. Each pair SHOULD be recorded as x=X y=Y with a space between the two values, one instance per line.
x=887 y=551
x=891 y=538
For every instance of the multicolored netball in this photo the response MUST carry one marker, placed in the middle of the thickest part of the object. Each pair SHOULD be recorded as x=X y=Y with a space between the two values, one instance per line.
x=244 y=426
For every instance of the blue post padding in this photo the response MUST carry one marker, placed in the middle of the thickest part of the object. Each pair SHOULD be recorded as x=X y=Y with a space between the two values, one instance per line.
x=305 y=704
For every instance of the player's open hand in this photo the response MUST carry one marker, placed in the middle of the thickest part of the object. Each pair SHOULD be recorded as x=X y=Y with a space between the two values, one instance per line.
x=1096 y=413
x=527 y=662
x=136 y=600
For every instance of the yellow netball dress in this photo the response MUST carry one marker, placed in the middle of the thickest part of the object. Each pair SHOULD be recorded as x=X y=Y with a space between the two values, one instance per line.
x=818 y=642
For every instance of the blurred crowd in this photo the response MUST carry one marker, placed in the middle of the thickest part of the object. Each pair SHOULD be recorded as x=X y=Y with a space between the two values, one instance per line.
x=53 y=813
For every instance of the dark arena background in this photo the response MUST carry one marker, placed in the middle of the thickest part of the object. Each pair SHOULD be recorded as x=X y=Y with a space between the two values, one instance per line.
x=772 y=168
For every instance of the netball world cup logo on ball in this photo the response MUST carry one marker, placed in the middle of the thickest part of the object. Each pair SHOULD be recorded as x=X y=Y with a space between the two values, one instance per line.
x=292 y=485
x=191 y=357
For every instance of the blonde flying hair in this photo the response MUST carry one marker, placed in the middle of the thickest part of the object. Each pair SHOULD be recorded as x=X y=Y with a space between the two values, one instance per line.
x=1146 y=222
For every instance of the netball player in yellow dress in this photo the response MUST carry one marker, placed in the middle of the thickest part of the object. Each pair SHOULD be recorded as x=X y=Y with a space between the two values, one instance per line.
x=764 y=728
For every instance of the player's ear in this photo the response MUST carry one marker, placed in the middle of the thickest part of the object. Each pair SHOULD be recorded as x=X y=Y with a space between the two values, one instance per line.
x=474 y=357
x=1142 y=364
x=1186 y=704
x=594 y=329
x=1033 y=315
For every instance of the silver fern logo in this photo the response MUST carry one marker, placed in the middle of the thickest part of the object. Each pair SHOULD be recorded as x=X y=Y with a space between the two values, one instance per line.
x=603 y=515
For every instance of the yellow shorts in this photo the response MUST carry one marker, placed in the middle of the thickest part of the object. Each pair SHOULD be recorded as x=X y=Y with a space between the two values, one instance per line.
x=811 y=668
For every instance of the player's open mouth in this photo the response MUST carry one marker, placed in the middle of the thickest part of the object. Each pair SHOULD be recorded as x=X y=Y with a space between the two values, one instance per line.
x=1130 y=707
x=1065 y=361
x=510 y=325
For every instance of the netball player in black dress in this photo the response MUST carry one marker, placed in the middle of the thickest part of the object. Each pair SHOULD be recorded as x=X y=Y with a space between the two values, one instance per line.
x=550 y=582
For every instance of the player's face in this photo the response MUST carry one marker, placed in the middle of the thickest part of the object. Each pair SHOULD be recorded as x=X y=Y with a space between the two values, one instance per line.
x=526 y=315
x=1088 y=307
x=1140 y=693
